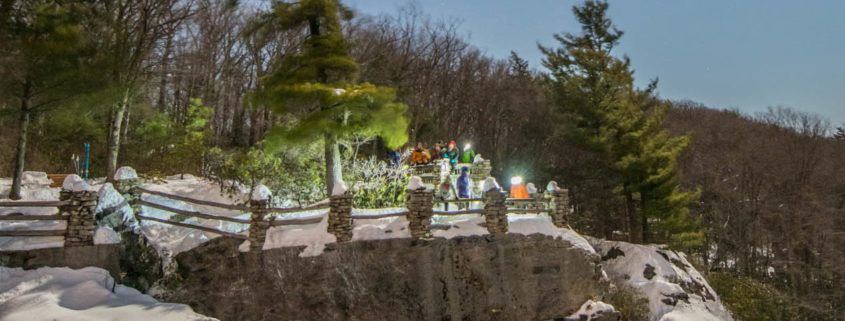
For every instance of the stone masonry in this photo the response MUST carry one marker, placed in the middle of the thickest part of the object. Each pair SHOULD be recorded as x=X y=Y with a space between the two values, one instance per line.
x=129 y=189
x=481 y=171
x=340 y=217
x=81 y=216
x=538 y=202
x=419 y=203
x=560 y=208
x=495 y=211
x=258 y=224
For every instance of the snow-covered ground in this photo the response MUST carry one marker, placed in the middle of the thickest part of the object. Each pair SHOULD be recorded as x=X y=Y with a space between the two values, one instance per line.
x=87 y=294
x=674 y=288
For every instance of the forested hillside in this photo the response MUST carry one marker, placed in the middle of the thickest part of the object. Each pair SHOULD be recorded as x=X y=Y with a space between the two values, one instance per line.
x=169 y=86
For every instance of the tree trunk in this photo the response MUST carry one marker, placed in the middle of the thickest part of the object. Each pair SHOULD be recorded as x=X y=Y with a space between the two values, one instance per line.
x=635 y=233
x=114 y=137
x=20 y=153
x=333 y=169
x=644 y=219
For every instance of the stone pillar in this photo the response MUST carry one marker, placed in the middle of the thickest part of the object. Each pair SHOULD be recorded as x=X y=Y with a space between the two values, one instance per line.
x=420 y=203
x=340 y=216
x=258 y=224
x=560 y=208
x=127 y=184
x=495 y=210
x=481 y=171
x=80 y=212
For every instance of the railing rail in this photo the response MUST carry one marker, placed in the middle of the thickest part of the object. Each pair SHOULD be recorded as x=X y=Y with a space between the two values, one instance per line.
x=23 y=217
x=461 y=212
x=195 y=201
x=296 y=221
x=460 y=200
x=191 y=213
x=35 y=204
x=196 y=227
x=378 y=216
x=61 y=232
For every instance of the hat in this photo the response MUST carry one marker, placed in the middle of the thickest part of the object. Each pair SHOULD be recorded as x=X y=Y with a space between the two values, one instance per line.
x=452 y=143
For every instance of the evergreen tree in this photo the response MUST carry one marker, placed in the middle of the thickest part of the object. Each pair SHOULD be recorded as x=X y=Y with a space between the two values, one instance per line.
x=42 y=56
x=608 y=115
x=315 y=89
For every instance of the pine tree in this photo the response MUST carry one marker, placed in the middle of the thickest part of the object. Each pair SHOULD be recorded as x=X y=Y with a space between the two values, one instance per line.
x=42 y=58
x=316 y=88
x=608 y=115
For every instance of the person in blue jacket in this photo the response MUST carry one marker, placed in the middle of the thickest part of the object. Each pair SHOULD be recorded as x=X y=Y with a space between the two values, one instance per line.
x=463 y=183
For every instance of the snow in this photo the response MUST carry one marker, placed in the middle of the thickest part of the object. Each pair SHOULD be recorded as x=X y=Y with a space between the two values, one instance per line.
x=261 y=193
x=125 y=173
x=531 y=189
x=88 y=294
x=365 y=229
x=169 y=239
x=673 y=275
x=489 y=184
x=74 y=183
x=35 y=186
x=415 y=183
x=592 y=310
x=111 y=200
x=105 y=235
x=552 y=187
x=527 y=224
x=313 y=237
x=339 y=188
x=35 y=179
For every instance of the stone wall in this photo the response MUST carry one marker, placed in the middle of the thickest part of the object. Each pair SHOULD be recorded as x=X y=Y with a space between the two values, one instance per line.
x=81 y=214
x=493 y=277
x=104 y=256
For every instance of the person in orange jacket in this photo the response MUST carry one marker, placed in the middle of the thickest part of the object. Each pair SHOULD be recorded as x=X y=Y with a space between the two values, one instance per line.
x=518 y=189
x=420 y=156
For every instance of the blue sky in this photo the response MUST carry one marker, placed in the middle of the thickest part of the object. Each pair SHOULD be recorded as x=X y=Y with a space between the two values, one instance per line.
x=726 y=54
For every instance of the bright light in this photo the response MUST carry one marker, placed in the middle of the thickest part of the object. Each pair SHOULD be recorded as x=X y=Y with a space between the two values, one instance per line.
x=466 y=147
x=516 y=180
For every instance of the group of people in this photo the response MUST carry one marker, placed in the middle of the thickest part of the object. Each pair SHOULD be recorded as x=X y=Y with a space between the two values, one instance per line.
x=421 y=155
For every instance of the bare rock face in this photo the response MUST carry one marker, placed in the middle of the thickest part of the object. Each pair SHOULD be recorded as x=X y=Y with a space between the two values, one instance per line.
x=503 y=277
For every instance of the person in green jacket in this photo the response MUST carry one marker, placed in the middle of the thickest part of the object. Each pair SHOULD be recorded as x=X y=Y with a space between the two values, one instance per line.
x=468 y=155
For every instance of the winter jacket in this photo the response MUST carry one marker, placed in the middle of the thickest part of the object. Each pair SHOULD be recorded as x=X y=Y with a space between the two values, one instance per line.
x=519 y=191
x=419 y=156
x=463 y=185
x=467 y=156
x=452 y=155
x=445 y=192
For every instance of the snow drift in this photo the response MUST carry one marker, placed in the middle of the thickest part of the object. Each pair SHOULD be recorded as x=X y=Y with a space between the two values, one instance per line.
x=88 y=294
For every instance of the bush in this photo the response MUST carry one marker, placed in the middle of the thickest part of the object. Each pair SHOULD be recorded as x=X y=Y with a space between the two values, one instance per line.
x=629 y=302
x=751 y=300
x=376 y=184
x=293 y=176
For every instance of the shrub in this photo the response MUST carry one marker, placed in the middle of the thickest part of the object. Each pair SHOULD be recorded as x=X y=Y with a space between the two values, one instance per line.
x=752 y=300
